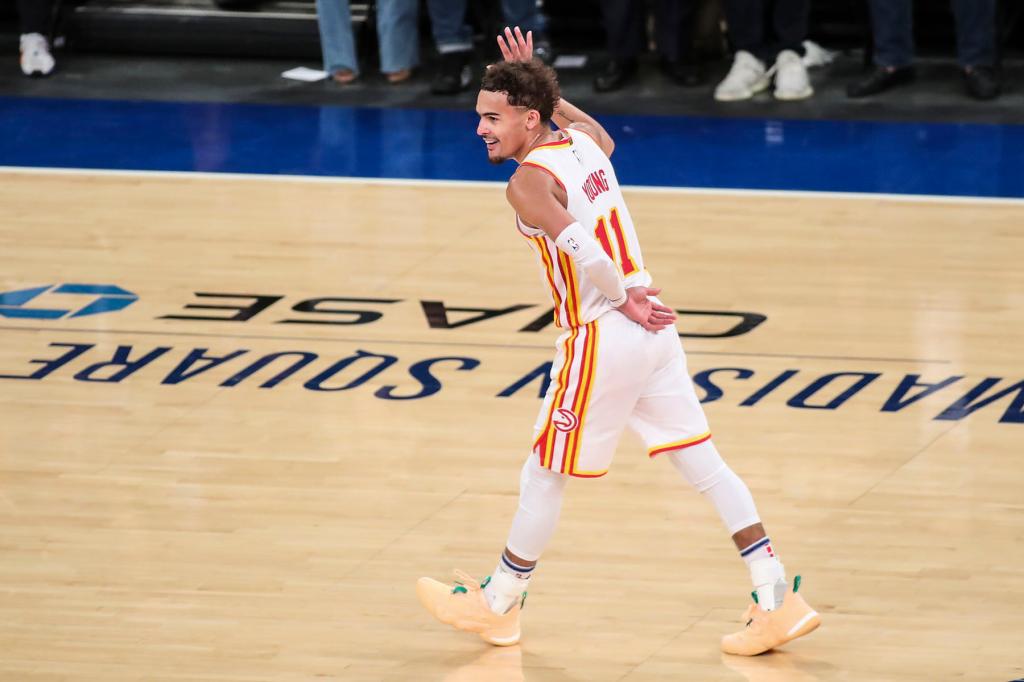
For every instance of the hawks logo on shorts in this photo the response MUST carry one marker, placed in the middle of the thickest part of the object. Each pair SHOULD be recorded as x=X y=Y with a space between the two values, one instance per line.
x=565 y=420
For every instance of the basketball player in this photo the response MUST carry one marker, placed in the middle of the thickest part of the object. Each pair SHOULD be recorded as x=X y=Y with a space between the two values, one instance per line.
x=619 y=362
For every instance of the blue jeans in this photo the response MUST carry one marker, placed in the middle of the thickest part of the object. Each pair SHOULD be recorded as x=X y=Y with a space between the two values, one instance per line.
x=396 y=31
x=892 y=24
x=452 y=33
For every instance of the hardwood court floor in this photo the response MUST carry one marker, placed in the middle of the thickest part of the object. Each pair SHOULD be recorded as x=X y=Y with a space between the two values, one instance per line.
x=181 y=522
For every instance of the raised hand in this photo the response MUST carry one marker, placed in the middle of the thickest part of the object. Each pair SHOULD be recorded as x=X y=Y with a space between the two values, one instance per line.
x=645 y=312
x=514 y=46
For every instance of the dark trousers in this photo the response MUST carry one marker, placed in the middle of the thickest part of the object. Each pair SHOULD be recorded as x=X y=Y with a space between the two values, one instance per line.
x=624 y=22
x=34 y=16
x=893 y=27
x=452 y=33
x=764 y=28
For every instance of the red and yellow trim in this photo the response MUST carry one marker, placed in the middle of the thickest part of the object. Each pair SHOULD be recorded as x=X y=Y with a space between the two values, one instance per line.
x=574 y=387
x=679 y=444
x=549 y=270
x=557 y=144
x=582 y=402
x=534 y=164
x=572 y=292
x=546 y=441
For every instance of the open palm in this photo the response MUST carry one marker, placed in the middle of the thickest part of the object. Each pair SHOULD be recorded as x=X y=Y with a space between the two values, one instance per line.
x=514 y=46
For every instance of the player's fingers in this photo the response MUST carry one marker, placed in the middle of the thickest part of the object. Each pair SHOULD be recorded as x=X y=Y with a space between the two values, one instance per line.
x=529 y=42
x=662 y=308
x=505 y=52
x=511 y=41
x=514 y=44
x=653 y=292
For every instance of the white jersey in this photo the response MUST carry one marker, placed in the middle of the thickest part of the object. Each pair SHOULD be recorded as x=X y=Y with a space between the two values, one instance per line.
x=582 y=169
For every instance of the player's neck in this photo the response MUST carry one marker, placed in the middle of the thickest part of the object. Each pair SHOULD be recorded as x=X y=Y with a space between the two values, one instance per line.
x=542 y=137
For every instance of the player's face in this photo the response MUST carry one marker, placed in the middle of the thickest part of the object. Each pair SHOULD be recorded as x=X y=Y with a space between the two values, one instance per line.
x=502 y=127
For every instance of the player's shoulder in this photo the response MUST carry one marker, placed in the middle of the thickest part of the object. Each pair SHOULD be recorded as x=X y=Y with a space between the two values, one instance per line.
x=588 y=130
x=533 y=175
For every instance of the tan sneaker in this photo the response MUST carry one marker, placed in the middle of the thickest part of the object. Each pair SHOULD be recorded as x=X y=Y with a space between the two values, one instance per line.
x=768 y=629
x=464 y=607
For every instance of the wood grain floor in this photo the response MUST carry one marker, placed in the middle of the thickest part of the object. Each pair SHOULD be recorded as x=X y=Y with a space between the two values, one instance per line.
x=182 y=523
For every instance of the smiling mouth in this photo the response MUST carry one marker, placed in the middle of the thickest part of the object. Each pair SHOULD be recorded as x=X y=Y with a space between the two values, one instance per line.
x=490 y=143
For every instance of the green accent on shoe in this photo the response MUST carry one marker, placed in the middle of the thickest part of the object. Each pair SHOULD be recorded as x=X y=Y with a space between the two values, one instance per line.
x=486 y=581
x=796 y=584
x=459 y=589
x=522 y=604
x=754 y=595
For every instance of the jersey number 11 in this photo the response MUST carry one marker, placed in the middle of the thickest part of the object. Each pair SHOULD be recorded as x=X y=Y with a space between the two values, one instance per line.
x=624 y=260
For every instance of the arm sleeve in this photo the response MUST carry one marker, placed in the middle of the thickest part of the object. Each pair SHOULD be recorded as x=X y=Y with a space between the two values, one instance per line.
x=589 y=256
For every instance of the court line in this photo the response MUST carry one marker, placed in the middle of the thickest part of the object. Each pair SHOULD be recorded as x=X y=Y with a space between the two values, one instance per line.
x=415 y=182
x=914 y=456
x=456 y=344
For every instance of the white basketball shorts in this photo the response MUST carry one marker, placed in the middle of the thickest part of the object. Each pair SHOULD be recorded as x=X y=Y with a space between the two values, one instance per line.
x=607 y=375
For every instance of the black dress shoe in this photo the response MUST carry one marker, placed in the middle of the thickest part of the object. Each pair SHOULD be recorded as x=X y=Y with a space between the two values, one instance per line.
x=453 y=74
x=686 y=74
x=879 y=80
x=615 y=75
x=981 y=82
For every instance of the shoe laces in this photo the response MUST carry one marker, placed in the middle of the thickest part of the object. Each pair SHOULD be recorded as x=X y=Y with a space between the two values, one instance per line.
x=464 y=583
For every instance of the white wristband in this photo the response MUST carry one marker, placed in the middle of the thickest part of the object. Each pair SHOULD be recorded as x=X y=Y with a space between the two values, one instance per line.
x=592 y=259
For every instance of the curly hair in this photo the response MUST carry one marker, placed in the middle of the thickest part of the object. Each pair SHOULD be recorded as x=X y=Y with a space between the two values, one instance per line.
x=528 y=84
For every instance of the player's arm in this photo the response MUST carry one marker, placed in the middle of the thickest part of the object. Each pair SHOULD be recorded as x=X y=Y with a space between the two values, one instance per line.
x=570 y=116
x=531 y=191
x=537 y=199
x=516 y=47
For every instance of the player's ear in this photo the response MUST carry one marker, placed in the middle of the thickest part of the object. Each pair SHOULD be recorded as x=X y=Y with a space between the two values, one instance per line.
x=532 y=119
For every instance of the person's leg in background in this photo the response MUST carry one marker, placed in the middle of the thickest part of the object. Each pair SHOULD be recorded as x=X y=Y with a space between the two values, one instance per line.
x=624 y=27
x=527 y=16
x=789 y=30
x=454 y=42
x=976 y=46
x=673 y=27
x=892 y=24
x=747 y=76
x=398 y=34
x=34 y=18
x=337 y=42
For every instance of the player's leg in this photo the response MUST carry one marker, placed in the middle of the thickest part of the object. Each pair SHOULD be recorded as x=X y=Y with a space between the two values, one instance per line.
x=669 y=418
x=540 y=503
x=491 y=609
x=703 y=468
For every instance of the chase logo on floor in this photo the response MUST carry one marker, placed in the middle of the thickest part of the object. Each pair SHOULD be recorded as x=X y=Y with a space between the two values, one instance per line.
x=103 y=298
x=388 y=377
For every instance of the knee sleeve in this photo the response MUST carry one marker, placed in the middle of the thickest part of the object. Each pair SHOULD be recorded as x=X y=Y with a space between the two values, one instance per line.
x=704 y=469
x=540 y=504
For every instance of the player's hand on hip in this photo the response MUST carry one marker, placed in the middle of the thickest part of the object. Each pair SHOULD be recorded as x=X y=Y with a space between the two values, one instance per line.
x=649 y=314
x=514 y=46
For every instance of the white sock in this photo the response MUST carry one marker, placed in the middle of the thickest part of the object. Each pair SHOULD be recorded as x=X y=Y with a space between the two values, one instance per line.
x=768 y=576
x=507 y=585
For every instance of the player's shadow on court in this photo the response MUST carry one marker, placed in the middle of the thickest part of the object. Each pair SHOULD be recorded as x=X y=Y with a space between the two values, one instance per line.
x=503 y=664
x=779 y=666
